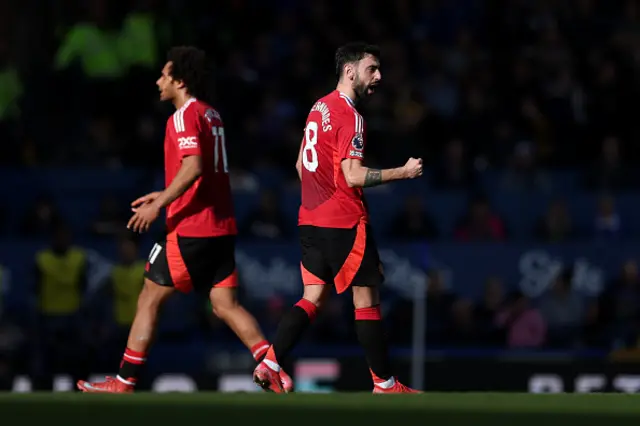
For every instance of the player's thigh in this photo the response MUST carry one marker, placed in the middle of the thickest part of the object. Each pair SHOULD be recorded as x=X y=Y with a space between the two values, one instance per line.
x=367 y=281
x=370 y=272
x=354 y=258
x=158 y=282
x=210 y=263
x=314 y=265
x=157 y=269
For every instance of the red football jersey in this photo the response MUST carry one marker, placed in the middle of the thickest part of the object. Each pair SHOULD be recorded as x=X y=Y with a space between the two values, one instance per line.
x=334 y=131
x=206 y=208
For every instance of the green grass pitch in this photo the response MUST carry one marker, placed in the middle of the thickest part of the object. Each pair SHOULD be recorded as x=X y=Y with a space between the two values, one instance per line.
x=337 y=409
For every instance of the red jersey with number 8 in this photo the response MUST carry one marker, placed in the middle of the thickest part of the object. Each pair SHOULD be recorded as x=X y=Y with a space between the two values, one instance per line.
x=334 y=131
x=206 y=208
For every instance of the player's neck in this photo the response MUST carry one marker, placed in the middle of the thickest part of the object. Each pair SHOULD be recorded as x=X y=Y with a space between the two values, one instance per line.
x=348 y=92
x=181 y=99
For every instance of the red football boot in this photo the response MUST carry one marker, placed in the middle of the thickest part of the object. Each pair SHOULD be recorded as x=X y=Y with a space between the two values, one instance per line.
x=287 y=381
x=267 y=378
x=110 y=385
x=396 y=388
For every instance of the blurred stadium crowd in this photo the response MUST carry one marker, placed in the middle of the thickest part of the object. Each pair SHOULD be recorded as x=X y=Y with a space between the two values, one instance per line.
x=537 y=98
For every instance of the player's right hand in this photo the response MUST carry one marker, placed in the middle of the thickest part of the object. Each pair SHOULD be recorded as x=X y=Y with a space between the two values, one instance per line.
x=413 y=168
x=145 y=199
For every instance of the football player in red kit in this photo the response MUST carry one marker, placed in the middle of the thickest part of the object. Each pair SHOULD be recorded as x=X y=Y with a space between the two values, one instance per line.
x=338 y=248
x=198 y=251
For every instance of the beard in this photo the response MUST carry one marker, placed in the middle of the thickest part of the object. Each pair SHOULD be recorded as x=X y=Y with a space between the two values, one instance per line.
x=361 y=90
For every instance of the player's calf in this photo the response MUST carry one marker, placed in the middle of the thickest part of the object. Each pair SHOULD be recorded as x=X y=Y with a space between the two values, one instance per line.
x=372 y=337
x=226 y=307
x=142 y=331
x=269 y=374
x=295 y=322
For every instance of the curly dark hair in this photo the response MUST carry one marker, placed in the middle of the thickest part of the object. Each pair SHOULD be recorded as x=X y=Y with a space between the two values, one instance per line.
x=354 y=52
x=189 y=65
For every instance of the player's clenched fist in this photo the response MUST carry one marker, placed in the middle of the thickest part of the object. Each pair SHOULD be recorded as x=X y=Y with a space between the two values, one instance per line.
x=413 y=168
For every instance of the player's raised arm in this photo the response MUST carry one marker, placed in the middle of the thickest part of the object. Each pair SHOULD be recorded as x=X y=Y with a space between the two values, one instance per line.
x=358 y=175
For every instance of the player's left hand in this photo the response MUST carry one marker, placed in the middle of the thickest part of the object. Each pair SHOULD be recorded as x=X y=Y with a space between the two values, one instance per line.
x=144 y=216
x=145 y=199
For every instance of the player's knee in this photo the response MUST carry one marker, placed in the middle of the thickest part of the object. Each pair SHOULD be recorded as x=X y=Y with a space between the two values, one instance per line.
x=316 y=294
x=365 y=297
x=223 y=302
x=152 y=296
x=224 y=312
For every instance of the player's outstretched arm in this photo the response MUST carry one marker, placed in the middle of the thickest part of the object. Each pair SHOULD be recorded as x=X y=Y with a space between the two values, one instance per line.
x=358 y=175
x=190 y=170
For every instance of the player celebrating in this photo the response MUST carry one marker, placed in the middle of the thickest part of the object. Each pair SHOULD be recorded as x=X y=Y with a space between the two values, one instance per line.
x=336 y=241
x=198 y=252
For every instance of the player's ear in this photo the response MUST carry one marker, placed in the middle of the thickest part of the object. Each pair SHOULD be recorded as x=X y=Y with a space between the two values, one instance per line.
x=350 y=71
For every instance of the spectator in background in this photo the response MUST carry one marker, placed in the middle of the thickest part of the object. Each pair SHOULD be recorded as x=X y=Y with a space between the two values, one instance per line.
x=523 y=173
x=594 y=330
x=524 y=325
x=119 y=297
x=413 y=223
x=563 y=311
x=89 y=53
x=61 y=283
x=439 y=303
x=462 y=328
x=12 y=89
x=442 y=94
x=41 y=218
x=408 y=111
x=267 y=221
x=454 y=171
x=102 y=146
x=620 y=304
x=487 y=310
x=112 y=218
x=609 y=173
x=142 y=149
x=555 y=226
x=480 y=223
x=607 y=223
x=12 y=337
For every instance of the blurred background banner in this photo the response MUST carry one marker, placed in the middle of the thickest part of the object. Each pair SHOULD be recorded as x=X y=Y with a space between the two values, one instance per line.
x=512 y=265
x=271 y=269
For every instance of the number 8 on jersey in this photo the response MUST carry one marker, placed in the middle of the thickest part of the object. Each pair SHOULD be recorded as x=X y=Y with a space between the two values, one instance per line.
x=309 y=153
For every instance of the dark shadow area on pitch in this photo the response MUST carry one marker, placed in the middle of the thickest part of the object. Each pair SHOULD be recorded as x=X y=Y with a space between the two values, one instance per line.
x=132 y=412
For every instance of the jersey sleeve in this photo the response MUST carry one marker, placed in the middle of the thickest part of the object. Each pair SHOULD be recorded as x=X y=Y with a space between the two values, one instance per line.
x=351 y=138
x=187 y=128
